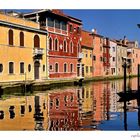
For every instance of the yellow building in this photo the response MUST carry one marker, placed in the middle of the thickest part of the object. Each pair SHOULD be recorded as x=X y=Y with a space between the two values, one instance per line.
x=22 y=50
x=87 y=50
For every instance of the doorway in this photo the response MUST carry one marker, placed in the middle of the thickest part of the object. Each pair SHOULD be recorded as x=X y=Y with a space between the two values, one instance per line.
x=36 y=69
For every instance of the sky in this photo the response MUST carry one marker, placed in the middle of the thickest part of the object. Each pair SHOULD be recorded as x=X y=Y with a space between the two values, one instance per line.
x=114 y=24
x=110 y=23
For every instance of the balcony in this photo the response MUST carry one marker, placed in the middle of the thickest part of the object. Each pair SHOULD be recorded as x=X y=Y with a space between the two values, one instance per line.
x=129 y=50
x=38 y=52
x=80 y=55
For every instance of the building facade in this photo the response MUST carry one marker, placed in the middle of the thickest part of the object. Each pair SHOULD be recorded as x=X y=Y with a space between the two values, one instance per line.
x=106 y=56
x=64 y=42
x=87 y=50
x=97 y=54
x=22 y=51
x=121 y=53
x=113 y=65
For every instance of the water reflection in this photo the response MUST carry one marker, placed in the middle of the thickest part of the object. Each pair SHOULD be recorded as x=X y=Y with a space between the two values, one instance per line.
x=90 y=107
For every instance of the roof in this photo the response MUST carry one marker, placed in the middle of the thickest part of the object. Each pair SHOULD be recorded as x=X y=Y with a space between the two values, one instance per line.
x=87 y=39
x=55 y=12
x=22 y=27
x=97 y=35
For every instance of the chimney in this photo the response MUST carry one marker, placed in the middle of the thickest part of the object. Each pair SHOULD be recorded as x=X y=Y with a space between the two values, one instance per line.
x=94 y=31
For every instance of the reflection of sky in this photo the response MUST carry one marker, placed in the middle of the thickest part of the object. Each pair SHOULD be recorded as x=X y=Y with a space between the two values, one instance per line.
x=118 y=124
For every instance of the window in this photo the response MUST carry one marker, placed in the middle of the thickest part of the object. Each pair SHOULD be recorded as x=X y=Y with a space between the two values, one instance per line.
x=21 y=67
x=65 y=46
x=78 y=30
x=86 y=69
x=50 y=44
x=51 y=67
x=113 y=49
x=57 y=24
x=36 y=41
x=29 y=67
x=43 y=68
x=64 y=26
x=78 y=49
x=1 y=68
x=56 y=45
x=56 y=67
x=94 y=57
x=65 y=67
x=91 y=69
x=90 y=55
x=21 y=39
x=113 y=59
x=71 y=47
x=86 y=55
x=50 y=22
x=11 y=67
x=100 y=48
x=71 y=28
x=101 y=59
x=11 y=37
x=71 y=67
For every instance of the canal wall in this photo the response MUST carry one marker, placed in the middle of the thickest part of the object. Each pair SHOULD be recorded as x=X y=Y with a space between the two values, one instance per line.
x=30 y=86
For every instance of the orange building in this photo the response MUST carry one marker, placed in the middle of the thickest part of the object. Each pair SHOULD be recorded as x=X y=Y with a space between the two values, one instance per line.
x=97 y=54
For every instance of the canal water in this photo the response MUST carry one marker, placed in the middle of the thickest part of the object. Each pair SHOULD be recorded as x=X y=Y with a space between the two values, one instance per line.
x=93 y=106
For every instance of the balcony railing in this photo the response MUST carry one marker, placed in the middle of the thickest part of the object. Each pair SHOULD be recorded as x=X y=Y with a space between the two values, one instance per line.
x=38 y=51
x=80 y=55
x=129 y=50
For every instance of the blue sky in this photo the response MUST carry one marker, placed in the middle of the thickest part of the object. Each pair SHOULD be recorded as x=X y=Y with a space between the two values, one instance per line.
x=110 y=23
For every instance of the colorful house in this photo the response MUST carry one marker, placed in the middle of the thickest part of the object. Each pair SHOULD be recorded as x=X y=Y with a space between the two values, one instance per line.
x=87 y=50
x=23 y=49
x=133 y=54
x=113 y=65
x=97 y=54
x=106 y=56
x=64 y=42
x=121 y=53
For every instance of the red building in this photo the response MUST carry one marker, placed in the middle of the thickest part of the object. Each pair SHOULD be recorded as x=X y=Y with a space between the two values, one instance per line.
x=63 y=111
x=106 y=56
x=64 y=42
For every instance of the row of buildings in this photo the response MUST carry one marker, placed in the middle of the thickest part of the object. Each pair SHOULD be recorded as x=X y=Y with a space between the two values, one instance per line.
x=48 y=44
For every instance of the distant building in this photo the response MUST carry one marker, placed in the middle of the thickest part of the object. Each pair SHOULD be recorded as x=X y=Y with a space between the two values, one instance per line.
x=97 y=54
x=106 y=56
x=22 y=50
x=113 y=57
x=87 y=50
x=133 y=53
x=121 y=53
x=64 y=41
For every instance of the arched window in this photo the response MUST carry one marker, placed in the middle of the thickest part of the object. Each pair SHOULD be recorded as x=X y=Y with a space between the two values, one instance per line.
x=56 y=45
x=65 y=46
x=11 y=37
x=11 y=67
x=65 y=67
x=78 y=48
x=71 y=47
x=56 y=67
x=21 y=39
x=50 y=44
x=36 y=41
x=71 y=67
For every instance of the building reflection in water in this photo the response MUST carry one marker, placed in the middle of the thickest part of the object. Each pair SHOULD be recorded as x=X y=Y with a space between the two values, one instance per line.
x=38 y=115
x=11 y=111
x=77 y=108
x=63 y=110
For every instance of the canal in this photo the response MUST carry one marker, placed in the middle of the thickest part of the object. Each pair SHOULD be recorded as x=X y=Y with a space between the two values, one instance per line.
x=93 y=106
